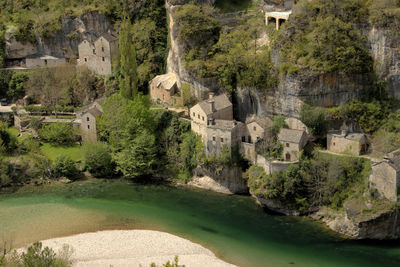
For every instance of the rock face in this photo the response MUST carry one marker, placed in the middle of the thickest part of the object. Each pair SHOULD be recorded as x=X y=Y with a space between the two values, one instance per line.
x=385 y=49
x=275 y=206
x=65 y=42
x=383 y=225
x=225 y=179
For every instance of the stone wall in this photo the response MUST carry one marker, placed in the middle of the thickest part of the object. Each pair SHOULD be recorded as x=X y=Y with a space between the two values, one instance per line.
x=385 y=179
x=272 y=166
x=43 y=62
x=88 y=128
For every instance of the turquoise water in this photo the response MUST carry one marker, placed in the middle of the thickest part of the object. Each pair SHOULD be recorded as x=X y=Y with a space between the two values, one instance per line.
x=234 y=227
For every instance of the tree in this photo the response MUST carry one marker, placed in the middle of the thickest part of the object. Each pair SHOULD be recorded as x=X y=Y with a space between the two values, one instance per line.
x=139 y=157
x=315 y=119
x=191 y=150
x=16 y=87
x=64 y=166
x=97 y=160
x=278 y=123
x=128 y=81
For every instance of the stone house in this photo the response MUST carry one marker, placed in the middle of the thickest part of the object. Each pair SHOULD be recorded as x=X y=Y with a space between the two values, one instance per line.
x=43 y=61
x=385 y=178
x=99 y=55
x=342 y=141
x=163 y=88
x=293 y=142
x=257 y=130
x=87 y=117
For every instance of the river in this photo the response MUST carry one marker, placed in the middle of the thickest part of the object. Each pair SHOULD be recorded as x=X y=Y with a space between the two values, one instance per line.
x=234 y=227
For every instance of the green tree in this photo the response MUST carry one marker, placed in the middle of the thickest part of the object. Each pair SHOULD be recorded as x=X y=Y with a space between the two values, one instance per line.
x=191 y=151
x=97 y=160
x=64 y=166
x=16 y=88
x=315 y=119
x=128 y=81
x=139 y=157
x=278 y=123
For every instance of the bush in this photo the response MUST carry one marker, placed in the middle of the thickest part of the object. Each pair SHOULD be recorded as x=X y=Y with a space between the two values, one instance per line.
x=35 y=124
x=8 y=142
x=58 y=133
x=64 y=166
x=98 y=160
x=315 y=119
x=278 y=123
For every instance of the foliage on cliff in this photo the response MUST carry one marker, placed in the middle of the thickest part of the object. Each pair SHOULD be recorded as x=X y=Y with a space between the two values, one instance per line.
x=322 y=36
x=322 y=180
x=233 y=56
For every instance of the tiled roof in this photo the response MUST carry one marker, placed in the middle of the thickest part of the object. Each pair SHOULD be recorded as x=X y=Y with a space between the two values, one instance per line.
x=264 y=122
x=109 y=37
x=166 y=80
x=94 y=111
x=220 y=102
x=290 y=135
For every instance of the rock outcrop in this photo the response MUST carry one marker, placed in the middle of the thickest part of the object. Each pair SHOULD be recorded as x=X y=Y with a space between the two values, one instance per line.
x=63 y=43
x=221 y=179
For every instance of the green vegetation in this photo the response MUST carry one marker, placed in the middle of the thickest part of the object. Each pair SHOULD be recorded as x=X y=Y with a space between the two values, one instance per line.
x=128 y=69
x=322 y=36
x=37 y=256
x=58 y=133
x=97 y=160
x=321 y=180
x=278 y=123
x=315 y=119
x=228 y=6
x=233 y=57
x=52 y=151
x=64 y=166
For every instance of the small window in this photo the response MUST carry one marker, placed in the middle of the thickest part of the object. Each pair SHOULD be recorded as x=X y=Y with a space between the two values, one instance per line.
x=222 y=140
x=198 y=116
x=103 y=58
x=94 y=51
x=85 y=59
x=102 y=48
x=287 y=145
x=88 y=126
x=214 y=138
x=87 y=118
x=249 y=138
x=255 y=128
x=45 y=61
x=244 y=139
x=334 y=144
x=194 y=114
x=202 y=118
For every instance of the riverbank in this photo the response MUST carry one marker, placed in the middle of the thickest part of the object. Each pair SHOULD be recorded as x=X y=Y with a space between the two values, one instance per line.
x=134 y=248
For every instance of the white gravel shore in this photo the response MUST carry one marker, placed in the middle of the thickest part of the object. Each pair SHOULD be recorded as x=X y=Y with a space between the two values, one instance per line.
x=134 y=248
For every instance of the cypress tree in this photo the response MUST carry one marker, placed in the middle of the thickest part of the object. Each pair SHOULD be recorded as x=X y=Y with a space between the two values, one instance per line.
x=128 y=81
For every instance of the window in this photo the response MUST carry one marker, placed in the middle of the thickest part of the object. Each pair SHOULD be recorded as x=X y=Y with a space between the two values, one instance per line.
x=94 y=51
x=198 y=116
x=103 y=59
x=214 y=138
x=202 y=118
x=85 y=59
x=88 y=126
x=334 y=144
x=244 y=139
x=249 y=138
x=222 y=140
x=102 y=48
x=255 y=128
x=287 y=145
x=45 y=61
x=87 y=118
x=194 y=114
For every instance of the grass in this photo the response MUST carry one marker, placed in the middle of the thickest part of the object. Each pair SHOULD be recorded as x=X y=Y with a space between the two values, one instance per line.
x=52 y=151
x=227 y=6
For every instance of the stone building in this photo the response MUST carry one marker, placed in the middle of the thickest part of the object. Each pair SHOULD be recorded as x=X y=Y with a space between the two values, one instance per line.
x=163 y=88
x=293 y=142
x=385 y=178
x=344 y=142
x=87 y=117
x=99 y=55
x=43 y=61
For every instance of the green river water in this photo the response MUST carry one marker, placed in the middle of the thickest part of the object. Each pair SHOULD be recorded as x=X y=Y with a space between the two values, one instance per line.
x=233 y=227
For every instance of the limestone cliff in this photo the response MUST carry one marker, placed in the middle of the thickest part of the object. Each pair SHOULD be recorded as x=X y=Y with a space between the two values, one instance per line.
x=221 y=179
x=385 y=49
x=63 y=43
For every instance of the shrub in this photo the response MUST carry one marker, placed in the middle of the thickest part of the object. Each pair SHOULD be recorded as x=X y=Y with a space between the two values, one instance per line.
x=278 y=123
x=35 y=124
x=315 y=119
x=58 y=133
x=64 y=166
x=98 y=160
